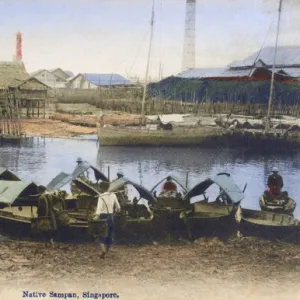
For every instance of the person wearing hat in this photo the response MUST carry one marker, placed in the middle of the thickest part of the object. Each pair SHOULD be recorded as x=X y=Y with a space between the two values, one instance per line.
x=120 y=174
x=107 y=206
x=275 y=181
x=84 y=175
x=274 y=199
x=122 y=193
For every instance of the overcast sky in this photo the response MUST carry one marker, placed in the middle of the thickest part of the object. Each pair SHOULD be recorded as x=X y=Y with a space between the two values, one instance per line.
x=105 y=36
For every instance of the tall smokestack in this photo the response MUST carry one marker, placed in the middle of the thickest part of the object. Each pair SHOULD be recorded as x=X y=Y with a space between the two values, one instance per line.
x=188 y=55
x=19 y=46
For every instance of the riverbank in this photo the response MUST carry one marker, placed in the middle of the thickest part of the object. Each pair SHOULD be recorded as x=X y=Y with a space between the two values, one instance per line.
x=246 y=268
x=70 y=125
x=54 y=129
x=67 y=125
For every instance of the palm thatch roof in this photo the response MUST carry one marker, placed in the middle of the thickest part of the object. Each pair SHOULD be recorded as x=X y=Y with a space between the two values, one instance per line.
x=12 y=73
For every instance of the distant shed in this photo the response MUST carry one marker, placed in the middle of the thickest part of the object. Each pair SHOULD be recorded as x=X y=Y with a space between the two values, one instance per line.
x=93 y=81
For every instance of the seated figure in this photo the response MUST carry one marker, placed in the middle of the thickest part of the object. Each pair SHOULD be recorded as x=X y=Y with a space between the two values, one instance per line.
x=223 y=198
x=274 y=199
x=169 y=188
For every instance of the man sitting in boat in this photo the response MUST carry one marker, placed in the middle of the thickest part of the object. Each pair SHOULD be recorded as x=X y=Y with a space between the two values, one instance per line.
x=274 y=199
x=169 y=188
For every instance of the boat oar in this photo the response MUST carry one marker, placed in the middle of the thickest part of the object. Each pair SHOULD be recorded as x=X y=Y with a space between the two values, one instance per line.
x=245 y=187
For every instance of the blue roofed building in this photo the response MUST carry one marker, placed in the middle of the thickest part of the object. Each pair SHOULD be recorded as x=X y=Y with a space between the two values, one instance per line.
x=93 y=81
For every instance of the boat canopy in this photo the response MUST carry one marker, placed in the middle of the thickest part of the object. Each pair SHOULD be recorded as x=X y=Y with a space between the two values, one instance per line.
x=85 y=166
x=59 y=181
x=224 y=181
x=63 y=178
x=11 y=190
x=7 y=175
x=85 y=187
x=121 y=182
x=164 y=179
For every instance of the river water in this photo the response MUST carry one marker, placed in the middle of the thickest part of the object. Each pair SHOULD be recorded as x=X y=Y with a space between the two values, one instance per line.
x=42 y=159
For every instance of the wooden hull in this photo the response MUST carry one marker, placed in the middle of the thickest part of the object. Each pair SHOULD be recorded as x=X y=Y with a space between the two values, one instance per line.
x=210 y=219
x=222 y=226
x=269 y=225
x=167 y=223
x=110 y=136
x=199 y=136
x=133 y=230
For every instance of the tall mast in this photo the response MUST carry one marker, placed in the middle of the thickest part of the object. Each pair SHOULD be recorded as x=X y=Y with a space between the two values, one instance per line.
x=148 y=61
x=273 y=69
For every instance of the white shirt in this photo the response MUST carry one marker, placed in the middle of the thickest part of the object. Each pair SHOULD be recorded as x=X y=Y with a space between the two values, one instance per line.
x=111 y=203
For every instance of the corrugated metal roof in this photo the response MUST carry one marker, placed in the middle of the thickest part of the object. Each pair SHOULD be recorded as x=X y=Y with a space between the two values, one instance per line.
x=201 y=73
x=214 y=72
x=223 y=72
x=294 y=72
x=286 y=56
x=106 y=79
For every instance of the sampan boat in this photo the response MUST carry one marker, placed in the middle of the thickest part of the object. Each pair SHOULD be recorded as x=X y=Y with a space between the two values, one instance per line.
x=26 y=208
x=268 y=225
x=135 y=222
x=63 y=178
x=168 y=206
x=217 y=218
x=81 y=207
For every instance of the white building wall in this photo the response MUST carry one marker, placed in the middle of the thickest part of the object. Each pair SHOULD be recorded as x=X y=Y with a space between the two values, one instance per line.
x=81 y=83
x=60 y=73
x=50 y=79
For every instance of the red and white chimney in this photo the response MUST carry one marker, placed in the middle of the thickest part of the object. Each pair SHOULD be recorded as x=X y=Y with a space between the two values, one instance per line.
x=19 y=46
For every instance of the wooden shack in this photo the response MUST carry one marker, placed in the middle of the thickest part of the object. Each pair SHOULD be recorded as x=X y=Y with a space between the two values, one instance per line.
x=25 y=96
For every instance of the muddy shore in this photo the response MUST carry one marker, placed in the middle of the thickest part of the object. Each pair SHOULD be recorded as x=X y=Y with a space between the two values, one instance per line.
x=54 y=129
x=70 y=125
x=246 y=268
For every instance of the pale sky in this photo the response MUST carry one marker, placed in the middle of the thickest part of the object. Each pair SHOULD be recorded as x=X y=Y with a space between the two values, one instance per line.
x=112 y=36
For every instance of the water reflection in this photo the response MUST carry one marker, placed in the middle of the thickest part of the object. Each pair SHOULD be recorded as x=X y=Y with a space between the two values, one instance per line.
x=42 y=159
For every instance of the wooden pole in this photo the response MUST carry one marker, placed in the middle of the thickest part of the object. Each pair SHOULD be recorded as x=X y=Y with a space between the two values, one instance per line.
x=148 y=60
x=273 y=69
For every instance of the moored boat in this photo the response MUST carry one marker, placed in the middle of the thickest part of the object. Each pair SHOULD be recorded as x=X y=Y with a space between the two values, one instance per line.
x=152 y=136
x=217 y=218
x=269 y=225
x=168 y=206
x=27 y=208
x=135 y=222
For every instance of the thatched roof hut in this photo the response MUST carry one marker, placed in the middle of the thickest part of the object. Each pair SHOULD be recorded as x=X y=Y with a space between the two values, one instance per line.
x=28 y=91
x=12 y=73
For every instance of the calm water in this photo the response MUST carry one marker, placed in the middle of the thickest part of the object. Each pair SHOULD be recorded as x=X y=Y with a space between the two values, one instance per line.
x=40 y=160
